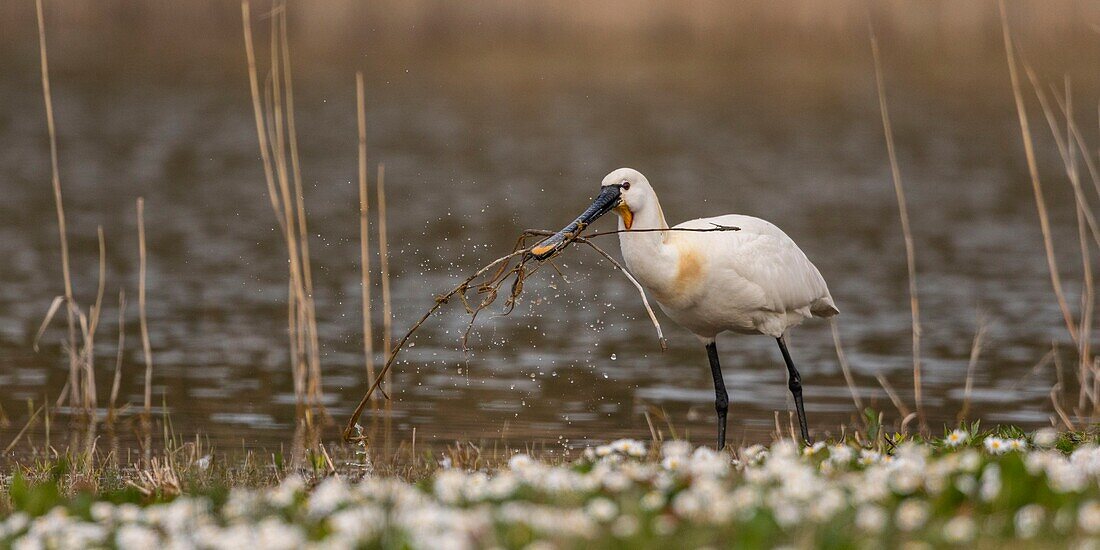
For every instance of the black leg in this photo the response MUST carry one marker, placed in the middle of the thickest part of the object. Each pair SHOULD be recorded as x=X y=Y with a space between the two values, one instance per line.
x=721 y=398
x=794 y=382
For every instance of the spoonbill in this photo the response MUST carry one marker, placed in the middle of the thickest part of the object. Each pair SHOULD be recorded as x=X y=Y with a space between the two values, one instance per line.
x=754 y=280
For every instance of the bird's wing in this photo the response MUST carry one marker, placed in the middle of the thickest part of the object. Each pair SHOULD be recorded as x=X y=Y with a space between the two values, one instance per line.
x=762 y=254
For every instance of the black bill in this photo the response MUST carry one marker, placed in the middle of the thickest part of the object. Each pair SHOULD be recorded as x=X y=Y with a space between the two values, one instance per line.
x=608 y=199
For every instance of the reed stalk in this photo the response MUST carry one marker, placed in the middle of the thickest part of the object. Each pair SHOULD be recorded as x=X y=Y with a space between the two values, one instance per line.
x=90 y=400
x=903 y=212
x=845 y=368
x=146 y=349
x=387 y=310
x=364 y=222
x=1033 y=172
x=975 y=353
x=300 y=210
x=277 y=138
x=384 y=264
x=117 y=381
x=70 y=306
x=1089 y=383
x=146 y=417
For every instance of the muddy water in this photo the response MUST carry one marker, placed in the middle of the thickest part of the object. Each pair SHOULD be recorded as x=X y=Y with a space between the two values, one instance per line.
x=474 y=158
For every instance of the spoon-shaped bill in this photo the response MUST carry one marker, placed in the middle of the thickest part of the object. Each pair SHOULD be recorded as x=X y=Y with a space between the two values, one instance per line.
x=608 y=198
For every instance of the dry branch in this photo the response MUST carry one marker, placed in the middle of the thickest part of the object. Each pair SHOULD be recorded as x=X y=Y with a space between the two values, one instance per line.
x=487 y=283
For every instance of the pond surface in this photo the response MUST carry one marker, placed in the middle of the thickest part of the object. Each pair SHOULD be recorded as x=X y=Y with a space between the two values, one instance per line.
x=473 y=156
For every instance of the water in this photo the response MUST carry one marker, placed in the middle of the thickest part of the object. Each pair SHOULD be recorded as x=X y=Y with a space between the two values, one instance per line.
x=471 y=165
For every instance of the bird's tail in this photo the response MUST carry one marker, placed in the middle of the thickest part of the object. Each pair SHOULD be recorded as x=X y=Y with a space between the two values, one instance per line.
x=824 y=307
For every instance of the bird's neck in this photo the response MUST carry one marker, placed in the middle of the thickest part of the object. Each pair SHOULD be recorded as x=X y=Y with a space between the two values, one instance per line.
x=646 y=250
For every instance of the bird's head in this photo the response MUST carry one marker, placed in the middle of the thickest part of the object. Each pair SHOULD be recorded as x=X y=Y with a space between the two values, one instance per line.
x=635 y=193
x=626 y=191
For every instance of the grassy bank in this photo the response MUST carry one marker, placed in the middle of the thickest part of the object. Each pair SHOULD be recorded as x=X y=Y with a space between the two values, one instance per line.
x=964 y=489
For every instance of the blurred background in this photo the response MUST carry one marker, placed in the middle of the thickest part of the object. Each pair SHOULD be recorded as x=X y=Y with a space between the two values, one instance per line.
x=492 y=116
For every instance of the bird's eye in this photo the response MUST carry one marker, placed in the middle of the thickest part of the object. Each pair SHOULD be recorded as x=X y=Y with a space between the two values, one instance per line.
x=626 y=185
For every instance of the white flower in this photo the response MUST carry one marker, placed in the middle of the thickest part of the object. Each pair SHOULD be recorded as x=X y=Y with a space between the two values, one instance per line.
x=624 y=527
x=687 y=504
x=521 y=462
x=1045 y=437
x=911 y=515
x=956 y=438
x=868 y=457
x=966 y=484
x=629 y=447
x=1016 y=444
x=870 y=518
x=101 y=512
x=958 y=530
x=664 y=525
x=1028 y=520
x=273 y=533
x=673 y=463
x=970 y=460
x=616 y=481
x=786 y=514
x=652 y=500
x=841 y=454
x=448 y=486
x=601 y=509
x=678 y=448
x=996 y=445
x=707 y=463
x=136 y=536
x=813 y=449
x=358 y=524
x=540 y=545
x=754 y=453
x=284 y=495
x=990 y=483
x=1088 y=517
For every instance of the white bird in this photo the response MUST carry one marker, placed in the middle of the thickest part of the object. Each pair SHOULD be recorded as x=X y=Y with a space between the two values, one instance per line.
x=753 y=280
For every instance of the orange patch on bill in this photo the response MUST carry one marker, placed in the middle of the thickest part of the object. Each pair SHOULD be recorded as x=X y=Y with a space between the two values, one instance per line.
x=540 y=250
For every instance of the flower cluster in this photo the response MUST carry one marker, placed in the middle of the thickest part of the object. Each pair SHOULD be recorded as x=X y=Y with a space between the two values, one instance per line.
x=947 y=492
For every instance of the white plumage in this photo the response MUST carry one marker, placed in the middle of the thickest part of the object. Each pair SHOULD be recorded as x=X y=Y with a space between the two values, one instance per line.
x=753 y=280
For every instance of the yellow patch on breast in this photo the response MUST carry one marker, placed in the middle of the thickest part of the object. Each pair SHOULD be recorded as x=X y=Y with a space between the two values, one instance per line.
x=689 y=269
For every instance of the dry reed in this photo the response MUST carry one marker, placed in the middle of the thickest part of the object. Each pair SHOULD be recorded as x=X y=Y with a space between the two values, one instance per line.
x=89 y=326
x=147 y=352
x=146 y=348
x=387 y=308
x=1033 y=172
x=1087 y=391
x=277 y=139
x=845 y=368
x=975 y=353
x=117 y=381
x=74 y=362
x=364 y=223
x=384 y=263
x=903 y=212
